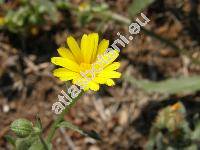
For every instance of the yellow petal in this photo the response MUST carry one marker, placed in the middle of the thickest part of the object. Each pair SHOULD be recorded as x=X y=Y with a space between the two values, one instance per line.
x=107 y=58
x=110 y=82
x=103 y=80
x=113 y=66
x=110 y=74
x=66 y=78
x=97 y=66
x=100 y=80
x=84 y=46
x=66 y=63
x=60 y=72
x=96 y=41
x=103 y=45
x=73 y=45
x=64 y=52
x=93 y=86
x=90 y=47
x=82 y=82
x=64 y=74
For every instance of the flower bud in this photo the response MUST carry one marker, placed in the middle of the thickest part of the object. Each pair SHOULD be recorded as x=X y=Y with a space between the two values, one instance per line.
x=22 y=127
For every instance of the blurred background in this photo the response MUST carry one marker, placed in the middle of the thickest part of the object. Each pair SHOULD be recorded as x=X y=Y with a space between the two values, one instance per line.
x=156 y=103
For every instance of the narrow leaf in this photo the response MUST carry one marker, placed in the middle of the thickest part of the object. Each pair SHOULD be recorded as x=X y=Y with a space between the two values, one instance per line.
x=37 y=145
x=138 y=5
x=170 y=86
x=38 y=122
x=69 y=125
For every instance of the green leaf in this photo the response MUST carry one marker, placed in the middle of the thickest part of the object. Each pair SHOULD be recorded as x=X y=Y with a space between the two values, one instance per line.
x=84 y=18
x=62 y=4
x=138 y=5
x=37 y=145
x=99 y=8
x=170 y=86
x=10 y=139
x=38 y=122
x=69 y=125
x=23 y=144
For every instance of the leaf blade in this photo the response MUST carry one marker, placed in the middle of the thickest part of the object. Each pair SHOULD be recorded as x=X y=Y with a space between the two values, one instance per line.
x=170 y=86
x=138 y=5
x=69 y=125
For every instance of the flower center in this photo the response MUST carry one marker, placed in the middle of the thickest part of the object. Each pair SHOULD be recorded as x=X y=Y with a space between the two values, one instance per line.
x=85 y=66
x=86 y=71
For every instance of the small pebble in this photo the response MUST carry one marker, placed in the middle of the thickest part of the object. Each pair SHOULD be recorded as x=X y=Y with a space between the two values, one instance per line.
x=6 y=108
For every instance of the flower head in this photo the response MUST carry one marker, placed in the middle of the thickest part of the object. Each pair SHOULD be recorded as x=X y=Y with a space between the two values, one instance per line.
x=87 y=65
x=2 y=21
x=84 y=6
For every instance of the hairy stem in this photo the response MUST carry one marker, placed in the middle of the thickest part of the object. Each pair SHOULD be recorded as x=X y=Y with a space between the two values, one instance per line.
x=61 y=118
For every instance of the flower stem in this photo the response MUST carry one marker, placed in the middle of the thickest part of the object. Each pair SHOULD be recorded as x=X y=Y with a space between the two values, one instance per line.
x=61 y=118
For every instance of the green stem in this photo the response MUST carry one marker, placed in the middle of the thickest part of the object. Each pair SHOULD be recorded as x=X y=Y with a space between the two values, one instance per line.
x=61 y=118
x=43 y=142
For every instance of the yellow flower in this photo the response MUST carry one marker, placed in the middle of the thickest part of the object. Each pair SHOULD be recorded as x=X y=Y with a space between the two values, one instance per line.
x=84 y=6
x=34 y=30
x=2 y=21
x=88 y=65
x=177 y=106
